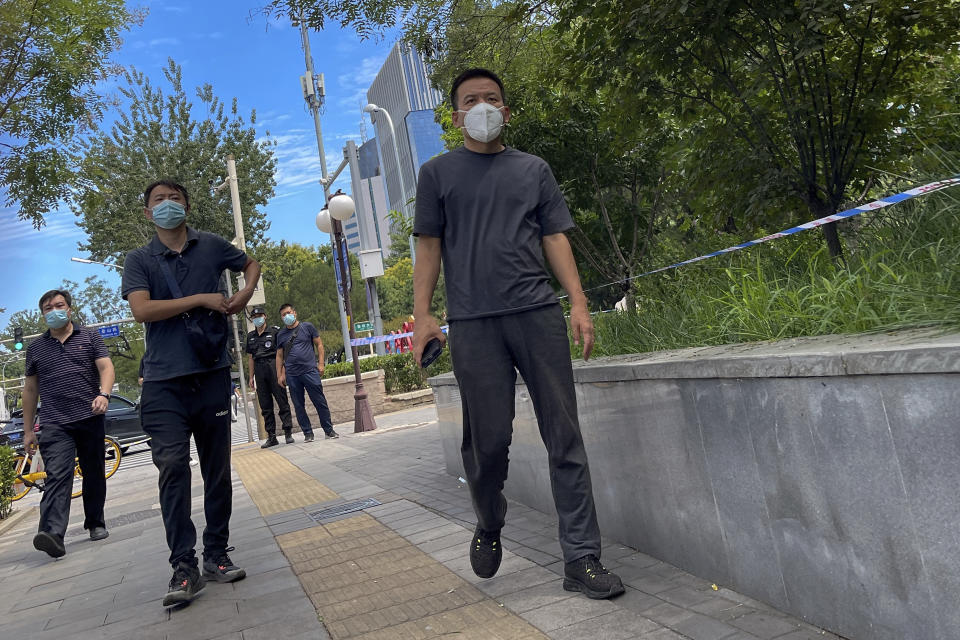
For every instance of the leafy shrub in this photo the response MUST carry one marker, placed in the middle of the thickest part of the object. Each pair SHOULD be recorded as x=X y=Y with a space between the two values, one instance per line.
x=401 y=373
x=7 y=477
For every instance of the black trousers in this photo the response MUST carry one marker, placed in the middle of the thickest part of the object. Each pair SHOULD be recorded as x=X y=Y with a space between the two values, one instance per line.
x=268 y=388
x=487 y=352
x=172 y=411
x=61 y=445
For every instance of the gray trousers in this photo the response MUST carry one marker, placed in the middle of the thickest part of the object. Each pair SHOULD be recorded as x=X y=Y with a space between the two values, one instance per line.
x=487 y=353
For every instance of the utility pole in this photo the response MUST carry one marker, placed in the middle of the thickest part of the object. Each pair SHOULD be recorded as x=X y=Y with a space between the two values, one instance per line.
x=371 y=253
x=313 y=98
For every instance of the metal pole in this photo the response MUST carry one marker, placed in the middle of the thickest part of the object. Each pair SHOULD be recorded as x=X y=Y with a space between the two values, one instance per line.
x=367 y=240
x=314 y=103
x=236 y=348
x=362 y=415
x=403 y=188
x=241 y=244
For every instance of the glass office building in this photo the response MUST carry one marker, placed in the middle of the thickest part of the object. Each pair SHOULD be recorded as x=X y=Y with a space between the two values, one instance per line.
x=402 y=87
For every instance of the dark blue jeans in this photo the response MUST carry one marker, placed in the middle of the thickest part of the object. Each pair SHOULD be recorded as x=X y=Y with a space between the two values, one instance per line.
x=172 y=411
x=60 y=446
x=309 y=382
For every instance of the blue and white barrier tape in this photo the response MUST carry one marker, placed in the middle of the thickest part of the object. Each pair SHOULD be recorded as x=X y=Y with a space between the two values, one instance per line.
x=813 y=224
x=359 y=342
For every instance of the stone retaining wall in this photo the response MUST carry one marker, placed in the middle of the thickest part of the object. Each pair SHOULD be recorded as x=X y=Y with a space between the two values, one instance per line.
x=818 y=475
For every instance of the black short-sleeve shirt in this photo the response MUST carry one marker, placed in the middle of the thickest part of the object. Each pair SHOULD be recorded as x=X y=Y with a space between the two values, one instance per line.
x=67 y=374
x=491 y=212
x=197 y=269
x=263 y=346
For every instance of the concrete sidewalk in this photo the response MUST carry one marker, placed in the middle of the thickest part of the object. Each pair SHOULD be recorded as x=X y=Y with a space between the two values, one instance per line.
x=318 y=570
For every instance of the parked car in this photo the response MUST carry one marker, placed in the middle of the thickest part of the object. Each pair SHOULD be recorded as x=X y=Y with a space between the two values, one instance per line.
x=122 y=423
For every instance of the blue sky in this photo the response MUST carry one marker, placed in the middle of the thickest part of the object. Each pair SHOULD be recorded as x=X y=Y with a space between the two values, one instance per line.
x=230 y=45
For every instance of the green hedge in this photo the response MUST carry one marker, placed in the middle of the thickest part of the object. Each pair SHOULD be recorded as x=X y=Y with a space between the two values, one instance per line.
x=401 y=373
x=7 y=476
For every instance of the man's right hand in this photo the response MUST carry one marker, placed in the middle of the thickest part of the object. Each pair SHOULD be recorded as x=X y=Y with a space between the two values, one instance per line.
x=212 y=301
x=425 y=328
x=282 y=379
x=30 y=440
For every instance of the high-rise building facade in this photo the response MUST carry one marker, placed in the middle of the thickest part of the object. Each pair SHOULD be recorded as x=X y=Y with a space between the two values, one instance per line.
x=402 y=87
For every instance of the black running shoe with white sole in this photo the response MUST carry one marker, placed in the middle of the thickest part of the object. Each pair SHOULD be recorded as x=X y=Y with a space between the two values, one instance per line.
x=221 y=569
x=185 y=584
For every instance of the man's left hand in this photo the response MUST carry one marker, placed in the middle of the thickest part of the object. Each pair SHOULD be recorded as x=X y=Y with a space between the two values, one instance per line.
x=582 y=326
x=99 y=405
x=320 y=368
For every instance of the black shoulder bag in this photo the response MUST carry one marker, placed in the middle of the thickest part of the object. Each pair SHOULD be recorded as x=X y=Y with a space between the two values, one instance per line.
x=206 y=329
x=288 y=345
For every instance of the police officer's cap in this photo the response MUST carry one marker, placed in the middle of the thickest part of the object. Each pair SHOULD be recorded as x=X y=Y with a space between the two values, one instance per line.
x=258 y=311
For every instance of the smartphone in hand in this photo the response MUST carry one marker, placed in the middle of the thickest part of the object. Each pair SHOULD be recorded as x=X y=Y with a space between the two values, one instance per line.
x=430 y=352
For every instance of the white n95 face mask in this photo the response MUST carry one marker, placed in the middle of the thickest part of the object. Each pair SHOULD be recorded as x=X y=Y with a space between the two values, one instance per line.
x=483 y=122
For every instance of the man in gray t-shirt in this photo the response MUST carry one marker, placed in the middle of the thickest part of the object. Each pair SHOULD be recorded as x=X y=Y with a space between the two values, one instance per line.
x=489 y=214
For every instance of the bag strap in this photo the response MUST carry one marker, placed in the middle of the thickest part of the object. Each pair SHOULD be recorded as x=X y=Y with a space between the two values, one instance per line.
x=288 y=345
x=171 y=281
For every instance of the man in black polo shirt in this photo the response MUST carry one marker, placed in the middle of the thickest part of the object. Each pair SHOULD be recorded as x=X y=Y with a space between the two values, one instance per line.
x=491 y=213
x=262 y=350
x=173 y=287
x=69 y=368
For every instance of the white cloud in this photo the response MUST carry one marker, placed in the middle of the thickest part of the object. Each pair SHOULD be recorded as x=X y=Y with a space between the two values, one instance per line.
x=174 y=8
x=156 y=42
x=354 y=85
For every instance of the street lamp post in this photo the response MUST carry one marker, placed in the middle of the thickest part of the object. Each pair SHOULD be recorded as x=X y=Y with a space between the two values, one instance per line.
x=371 y=109
x=341 y=207
x=106 y=264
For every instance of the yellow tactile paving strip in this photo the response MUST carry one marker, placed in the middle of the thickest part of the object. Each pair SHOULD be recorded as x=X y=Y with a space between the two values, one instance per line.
x=367 y=582
x=275 y=484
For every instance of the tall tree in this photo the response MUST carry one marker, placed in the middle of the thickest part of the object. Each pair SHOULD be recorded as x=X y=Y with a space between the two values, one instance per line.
x=157 y=137
x=52 y=54
x=806 y=98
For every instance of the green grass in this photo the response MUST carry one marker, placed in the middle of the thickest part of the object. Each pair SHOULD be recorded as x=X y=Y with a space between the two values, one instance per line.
x=902 y=271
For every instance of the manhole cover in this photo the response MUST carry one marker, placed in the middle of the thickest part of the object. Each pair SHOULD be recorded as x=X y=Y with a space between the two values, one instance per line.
x=346 y=507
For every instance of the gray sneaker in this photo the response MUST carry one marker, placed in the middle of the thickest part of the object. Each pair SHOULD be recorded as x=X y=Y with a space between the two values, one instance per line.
x=185 y=584
x=222 y=569
x=332 y=434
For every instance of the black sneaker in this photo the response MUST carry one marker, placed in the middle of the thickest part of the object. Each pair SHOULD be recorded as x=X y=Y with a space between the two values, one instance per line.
x=485 y=553
x=270 y=442
x=50 y=543
x=308 y=437
x=99 y=533
x=288 y=438
x=332 y=434
x=591 y=578
x=185 y=584
x=222 y=569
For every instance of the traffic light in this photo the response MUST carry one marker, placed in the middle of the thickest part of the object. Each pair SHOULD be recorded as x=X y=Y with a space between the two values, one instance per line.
x=18 y=338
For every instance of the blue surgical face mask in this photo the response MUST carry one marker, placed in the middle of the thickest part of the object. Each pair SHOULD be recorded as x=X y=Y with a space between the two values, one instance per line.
x=258 y=321
x=169 y=214
x=289 y=319
x=56 y=319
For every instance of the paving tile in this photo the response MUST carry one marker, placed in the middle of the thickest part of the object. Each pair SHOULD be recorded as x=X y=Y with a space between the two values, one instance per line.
x=517 y=581
x=535 y=596
x=571 y=611
x=764 y=626
x=700 y=627
x=617 y=625
x=683 y=596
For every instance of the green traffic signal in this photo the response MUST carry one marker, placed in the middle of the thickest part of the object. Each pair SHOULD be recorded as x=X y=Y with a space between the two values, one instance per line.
x=18 y=338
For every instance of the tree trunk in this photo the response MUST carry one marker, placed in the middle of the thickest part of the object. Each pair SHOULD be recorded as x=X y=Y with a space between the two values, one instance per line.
x=833 y=242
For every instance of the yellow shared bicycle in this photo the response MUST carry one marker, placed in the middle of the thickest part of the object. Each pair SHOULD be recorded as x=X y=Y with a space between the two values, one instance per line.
x=30 y=470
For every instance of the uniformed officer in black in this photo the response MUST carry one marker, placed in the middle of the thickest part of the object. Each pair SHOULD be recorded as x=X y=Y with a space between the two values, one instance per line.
x=262 y=350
